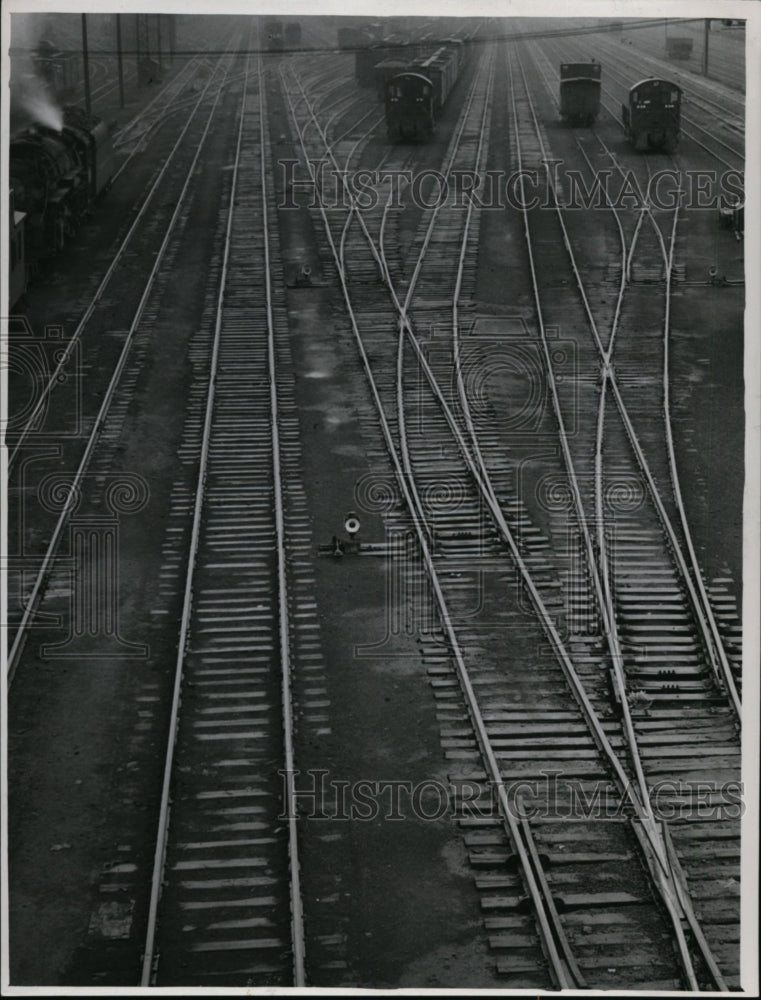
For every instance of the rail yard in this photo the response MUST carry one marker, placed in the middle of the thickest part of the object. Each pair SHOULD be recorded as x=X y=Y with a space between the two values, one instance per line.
x=375 y=479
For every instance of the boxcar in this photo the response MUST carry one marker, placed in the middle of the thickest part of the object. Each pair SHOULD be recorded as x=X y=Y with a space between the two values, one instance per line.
x=367 y=58
x=350 y=38
x=579 y=92
x=652 y=115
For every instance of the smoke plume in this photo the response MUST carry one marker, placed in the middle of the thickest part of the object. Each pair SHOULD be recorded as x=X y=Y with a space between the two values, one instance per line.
x=30 y=94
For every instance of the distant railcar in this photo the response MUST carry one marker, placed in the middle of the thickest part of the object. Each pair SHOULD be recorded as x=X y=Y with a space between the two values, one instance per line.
x=679 y=47
x=349 y=38
x=652 y=117
x=384 y=71
x=292 y=35
x=367 y=58
x=580 y=92
x=273 y=35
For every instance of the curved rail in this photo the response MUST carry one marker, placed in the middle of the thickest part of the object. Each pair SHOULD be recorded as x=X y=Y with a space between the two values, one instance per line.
x=693 y=580
x=422 y=532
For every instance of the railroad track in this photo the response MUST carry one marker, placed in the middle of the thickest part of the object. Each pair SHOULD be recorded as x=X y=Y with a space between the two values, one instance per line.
x=651 y=255
x=667 y=659
x=389 y=401
x=115 y=319
x=581 y=883
x=226 y=902
x=695 y=130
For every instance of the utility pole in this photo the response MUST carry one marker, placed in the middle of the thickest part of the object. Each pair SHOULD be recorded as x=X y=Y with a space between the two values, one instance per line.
x=119 y=58
x=158 y=40
x=86 y=65
x=706 y=35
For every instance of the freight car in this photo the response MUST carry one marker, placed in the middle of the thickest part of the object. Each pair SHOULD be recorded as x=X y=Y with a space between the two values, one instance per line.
x=579 y=92
x=292 y=35
x=367 y=57
x=415 y=97
x=652 y=116
x=352 y=38
x=61 y=71
x=57 y=177
x=273 y=35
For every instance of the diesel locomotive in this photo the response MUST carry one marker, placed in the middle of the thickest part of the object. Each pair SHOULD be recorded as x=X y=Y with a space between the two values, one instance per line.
x=652 y=115
x=415 y=97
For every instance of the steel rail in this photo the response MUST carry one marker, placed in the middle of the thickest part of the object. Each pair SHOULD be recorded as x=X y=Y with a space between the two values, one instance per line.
x=693 y=138
x=553 y=918
x=403 y=313
x=297 y=913
x=623 y=55
x=722 y=670
x=675 y=890
x=662 y=874
x=596 y=564
x=74 y=339
x=703 y=608
x=596 y=729
x=444 y=616
x=31 y=602
x=645 y=199
x=157 y=123
x=544 y=615
x=164 y=805
x=122 y=135
x=507 y=535
x=297 y=928
x=693 y=580
x=675 y=483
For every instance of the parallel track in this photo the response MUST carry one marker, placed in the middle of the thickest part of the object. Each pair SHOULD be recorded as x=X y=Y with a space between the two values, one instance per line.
x=226 y=900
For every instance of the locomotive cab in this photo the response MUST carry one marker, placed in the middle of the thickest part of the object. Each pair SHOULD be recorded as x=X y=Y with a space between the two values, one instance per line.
x=410 y=106
x=652 y=116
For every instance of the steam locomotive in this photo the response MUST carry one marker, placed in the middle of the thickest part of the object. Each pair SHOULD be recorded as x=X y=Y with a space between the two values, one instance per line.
x=56 y=178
